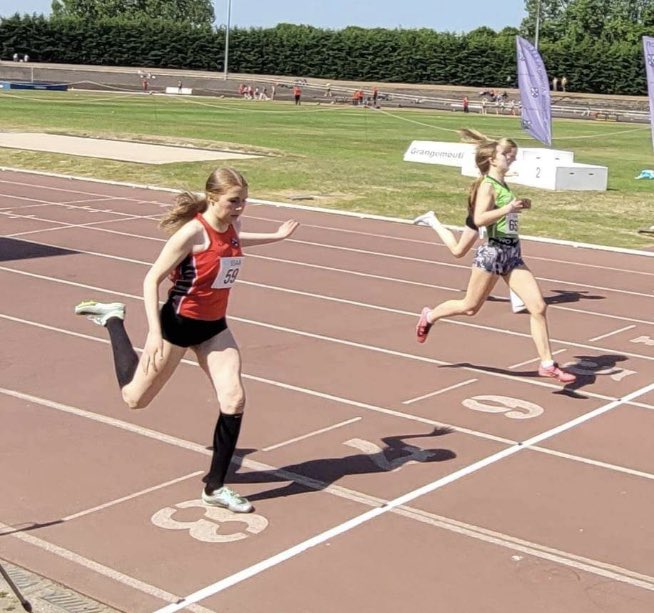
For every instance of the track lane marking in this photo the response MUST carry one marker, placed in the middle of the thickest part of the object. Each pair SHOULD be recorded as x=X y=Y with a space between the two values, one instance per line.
x=476 y=532
x=283 y=556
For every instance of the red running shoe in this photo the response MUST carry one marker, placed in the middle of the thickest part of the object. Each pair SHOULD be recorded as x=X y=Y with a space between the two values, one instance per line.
x=423 y=327
x=554 y=372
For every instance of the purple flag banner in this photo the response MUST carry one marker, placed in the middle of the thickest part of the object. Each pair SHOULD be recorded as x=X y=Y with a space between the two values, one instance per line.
x=648 y=48
x=534 y=87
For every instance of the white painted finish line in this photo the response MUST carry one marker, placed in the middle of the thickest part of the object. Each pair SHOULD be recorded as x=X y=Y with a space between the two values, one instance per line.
x=255 y=569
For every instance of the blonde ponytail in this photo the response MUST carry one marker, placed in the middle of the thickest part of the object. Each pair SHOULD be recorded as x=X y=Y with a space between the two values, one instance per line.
x=188 y=205
x=484 y=153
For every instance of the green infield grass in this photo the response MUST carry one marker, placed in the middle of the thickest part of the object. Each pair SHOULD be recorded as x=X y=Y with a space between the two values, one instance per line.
x=341 y=157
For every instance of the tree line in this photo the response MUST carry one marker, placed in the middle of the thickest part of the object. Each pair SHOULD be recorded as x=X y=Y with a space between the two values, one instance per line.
x=595 y=44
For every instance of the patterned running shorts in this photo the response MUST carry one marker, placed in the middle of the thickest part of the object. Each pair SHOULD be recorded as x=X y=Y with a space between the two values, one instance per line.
x=498 y=258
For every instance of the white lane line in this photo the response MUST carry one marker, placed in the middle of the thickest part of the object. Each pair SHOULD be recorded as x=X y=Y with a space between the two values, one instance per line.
x=438 y=521
x=311 y=434
x=100 y=569
x=71 y=191
x=532 y=360
x=422 y=260
x=436 y=243
x=303 y=390
x=353 y=303
x=606 y=465
x=148 y=490
x=440 y=391
x=334 y=269
x=409 y=356
x=382 y=254
x=355 y=273
x=414 y=316
x=598 y=338
x=349 y=525
x=61 y=227
x=73 y=205
x=365 y=347
x=647 y=322
x=319 y=212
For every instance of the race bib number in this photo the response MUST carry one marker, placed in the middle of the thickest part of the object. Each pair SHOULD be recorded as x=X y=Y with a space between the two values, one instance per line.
x=227 y=273
x=512 y=223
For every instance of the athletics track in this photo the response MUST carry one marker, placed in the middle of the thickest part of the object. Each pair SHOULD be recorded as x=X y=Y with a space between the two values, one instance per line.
x=386 y=475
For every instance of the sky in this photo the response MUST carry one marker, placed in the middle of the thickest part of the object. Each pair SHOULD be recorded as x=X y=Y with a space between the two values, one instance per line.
x=439 y=15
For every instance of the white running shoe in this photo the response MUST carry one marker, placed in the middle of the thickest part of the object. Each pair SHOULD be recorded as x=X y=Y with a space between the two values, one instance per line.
x=426 y=219
x=100 y=312
x=517 y=305
x=227 y=498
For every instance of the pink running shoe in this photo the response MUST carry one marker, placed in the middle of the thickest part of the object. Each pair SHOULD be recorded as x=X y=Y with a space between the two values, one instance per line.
x=554 y=372
x=423 y=327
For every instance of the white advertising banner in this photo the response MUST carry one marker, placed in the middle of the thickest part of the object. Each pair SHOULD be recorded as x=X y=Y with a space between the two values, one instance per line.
x=432 y=152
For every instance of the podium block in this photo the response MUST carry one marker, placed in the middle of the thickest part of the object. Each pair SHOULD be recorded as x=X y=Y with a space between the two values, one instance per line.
x=552 y=169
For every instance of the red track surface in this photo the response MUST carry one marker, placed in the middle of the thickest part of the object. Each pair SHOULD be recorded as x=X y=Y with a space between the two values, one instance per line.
x=522 y=508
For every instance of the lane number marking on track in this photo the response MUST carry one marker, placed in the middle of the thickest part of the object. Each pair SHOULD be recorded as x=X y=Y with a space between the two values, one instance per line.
x=208 y=528
x=513 y=408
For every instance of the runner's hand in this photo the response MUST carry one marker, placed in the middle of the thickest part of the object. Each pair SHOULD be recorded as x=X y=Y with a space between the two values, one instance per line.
x=517 y=205
x=152 y=353
x=287 y=228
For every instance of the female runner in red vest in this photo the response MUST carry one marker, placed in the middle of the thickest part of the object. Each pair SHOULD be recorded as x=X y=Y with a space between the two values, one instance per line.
x=202 y=258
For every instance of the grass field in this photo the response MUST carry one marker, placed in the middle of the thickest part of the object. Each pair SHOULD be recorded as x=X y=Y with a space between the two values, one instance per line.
x=341 y=157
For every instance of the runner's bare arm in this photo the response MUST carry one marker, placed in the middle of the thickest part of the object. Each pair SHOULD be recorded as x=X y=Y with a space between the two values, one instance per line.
x=248 y=239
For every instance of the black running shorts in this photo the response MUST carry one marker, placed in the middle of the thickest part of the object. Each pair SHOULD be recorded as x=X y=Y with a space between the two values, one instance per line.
x=186 y=332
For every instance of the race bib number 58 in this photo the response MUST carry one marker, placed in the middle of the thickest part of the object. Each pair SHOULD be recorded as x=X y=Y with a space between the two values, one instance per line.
x=227 y=273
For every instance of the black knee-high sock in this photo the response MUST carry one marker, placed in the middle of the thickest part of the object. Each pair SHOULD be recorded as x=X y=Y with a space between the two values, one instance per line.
x=224 y=443
x=125 y=358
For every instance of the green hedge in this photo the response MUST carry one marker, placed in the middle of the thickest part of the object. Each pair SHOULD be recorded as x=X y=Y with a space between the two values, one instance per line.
x=481 y=58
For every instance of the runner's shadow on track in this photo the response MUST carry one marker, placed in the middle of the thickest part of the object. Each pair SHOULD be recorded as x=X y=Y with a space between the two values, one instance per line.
x=560 y=297
x=566 y=390
x=589 y=367
x=13 y=249
x=27 y=527
x=323 y=472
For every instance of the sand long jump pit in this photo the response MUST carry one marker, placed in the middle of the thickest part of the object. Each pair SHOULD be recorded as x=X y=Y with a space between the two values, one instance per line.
x=123 y=151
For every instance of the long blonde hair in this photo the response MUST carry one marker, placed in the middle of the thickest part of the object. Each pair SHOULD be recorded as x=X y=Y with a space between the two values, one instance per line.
x=188 y=204
x=485 y=152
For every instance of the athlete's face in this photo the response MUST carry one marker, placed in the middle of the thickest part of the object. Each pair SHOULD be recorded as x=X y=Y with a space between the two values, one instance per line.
x=504 y=158
x=230 y=205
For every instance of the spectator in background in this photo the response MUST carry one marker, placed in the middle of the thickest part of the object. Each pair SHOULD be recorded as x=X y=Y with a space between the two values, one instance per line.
x=466 y=104
x=328 y=90
x=564 y=83
x=297 y=94
x=555 y=84
x=375 y=95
